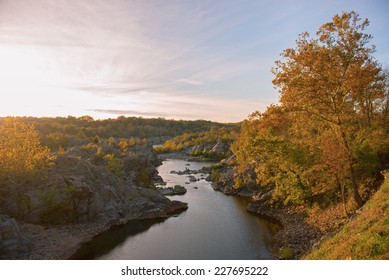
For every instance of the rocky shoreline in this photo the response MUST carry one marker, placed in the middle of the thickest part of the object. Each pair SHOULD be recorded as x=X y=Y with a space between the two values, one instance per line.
x=181 y=156
x=295 y=235
x=38 y=242
x=78 y=200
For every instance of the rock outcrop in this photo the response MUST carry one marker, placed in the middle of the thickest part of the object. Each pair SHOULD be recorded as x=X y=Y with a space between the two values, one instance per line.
x=176 y=190
x=78 y=193
x=11 y=241
x=213 y=150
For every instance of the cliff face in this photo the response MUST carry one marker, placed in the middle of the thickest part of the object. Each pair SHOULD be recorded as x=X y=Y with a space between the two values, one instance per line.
x=216 y=150
x=78 y=191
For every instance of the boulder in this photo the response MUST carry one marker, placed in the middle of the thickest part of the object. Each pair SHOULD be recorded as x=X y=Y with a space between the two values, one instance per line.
x=192 y=178
x=11 y=241
x=176 y=190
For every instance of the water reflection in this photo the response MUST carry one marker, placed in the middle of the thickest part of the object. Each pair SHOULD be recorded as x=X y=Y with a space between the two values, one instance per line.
x=115 y=236
x=214 y=227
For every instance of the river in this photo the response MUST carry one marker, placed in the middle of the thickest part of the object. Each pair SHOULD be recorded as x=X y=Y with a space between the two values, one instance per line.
x=215 y=226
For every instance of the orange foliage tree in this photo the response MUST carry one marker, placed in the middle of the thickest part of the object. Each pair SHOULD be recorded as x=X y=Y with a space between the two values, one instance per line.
x=333 y=86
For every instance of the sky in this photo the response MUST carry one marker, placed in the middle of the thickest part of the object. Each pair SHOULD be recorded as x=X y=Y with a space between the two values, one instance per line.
x=175 y=59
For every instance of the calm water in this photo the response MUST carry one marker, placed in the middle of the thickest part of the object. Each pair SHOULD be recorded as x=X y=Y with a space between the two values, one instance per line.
x=214 y=227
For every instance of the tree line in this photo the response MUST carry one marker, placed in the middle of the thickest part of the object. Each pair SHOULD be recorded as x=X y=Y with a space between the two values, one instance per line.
x=64 y=131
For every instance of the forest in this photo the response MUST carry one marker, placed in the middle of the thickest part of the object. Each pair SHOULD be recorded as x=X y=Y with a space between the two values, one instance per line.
x=64 y=131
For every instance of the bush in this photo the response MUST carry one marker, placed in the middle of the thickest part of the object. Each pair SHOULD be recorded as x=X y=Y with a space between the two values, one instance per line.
x=286 y=253
x=115 y=165
x=22 y=157
x=216 y=176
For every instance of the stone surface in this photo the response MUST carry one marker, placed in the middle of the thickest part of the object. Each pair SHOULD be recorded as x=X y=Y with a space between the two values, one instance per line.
x=11 y=241
x=176 y=190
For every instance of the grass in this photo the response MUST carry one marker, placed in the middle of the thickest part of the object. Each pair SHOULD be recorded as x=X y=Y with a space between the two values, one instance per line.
x=286 y=253
x=365 y=236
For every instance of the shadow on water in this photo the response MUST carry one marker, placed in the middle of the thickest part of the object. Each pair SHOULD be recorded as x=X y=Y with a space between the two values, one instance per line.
x=270 y=224
x=215 y=226
x=116 y=235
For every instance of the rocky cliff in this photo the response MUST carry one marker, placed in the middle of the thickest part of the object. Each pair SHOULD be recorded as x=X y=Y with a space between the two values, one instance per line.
x=78 y=192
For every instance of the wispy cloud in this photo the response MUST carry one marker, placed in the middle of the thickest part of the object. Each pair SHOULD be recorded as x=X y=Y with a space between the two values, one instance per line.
x=188 y=81
x=200 y=59
x=128 y=112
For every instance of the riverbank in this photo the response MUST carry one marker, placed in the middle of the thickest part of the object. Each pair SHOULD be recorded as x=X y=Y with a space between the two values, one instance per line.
x=80 y=197
x=365 y=236
x=304 y=229
x=301 y=229
x=295 y=236
x=182 y=156
x=38 y=242
x=197 y=234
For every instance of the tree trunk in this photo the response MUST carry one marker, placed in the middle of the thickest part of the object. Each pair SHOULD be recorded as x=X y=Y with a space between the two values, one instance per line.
x=354 y=184
x=341 y=187
x=356 y=194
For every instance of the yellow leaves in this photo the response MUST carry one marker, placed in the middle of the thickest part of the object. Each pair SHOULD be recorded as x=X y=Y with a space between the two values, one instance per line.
x=108 y=157
x=123 y=145
x=21 y=154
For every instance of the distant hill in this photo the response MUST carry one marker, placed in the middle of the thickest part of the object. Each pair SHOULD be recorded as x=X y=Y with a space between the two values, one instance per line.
x=157 y=130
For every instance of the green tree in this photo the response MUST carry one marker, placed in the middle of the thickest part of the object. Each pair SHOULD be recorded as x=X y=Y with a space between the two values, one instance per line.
x=111 y=141
x=115 y=165
x=269 y=153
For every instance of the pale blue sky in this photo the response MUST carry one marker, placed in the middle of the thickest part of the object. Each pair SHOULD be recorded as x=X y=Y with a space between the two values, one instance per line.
x=173 y=59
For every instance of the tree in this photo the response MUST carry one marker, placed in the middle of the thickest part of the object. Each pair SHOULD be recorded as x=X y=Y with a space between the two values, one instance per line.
x=115 y=165
x=334 y=86
x=123 y=146
x=21 y=155
x=270 y=154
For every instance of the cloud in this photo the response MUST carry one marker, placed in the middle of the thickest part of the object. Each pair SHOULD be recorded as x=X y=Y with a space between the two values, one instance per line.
x=144 y=113
x=188 y=81
x=206 y=59
x=128 y=112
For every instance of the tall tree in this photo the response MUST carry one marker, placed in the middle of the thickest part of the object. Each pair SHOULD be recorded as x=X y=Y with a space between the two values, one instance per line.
x=333 y=82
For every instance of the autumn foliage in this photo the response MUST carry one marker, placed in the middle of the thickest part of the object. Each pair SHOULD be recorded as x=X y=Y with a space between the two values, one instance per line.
x=22 y=157
x=329 y=132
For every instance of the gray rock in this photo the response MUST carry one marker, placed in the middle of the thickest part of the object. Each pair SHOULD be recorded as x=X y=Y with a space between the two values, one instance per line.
x=176 y=190
x=11 y=241
x=77 y=191
x=192 y=178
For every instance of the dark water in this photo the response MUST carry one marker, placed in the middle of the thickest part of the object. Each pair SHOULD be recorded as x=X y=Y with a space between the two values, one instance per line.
x=214 y=227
